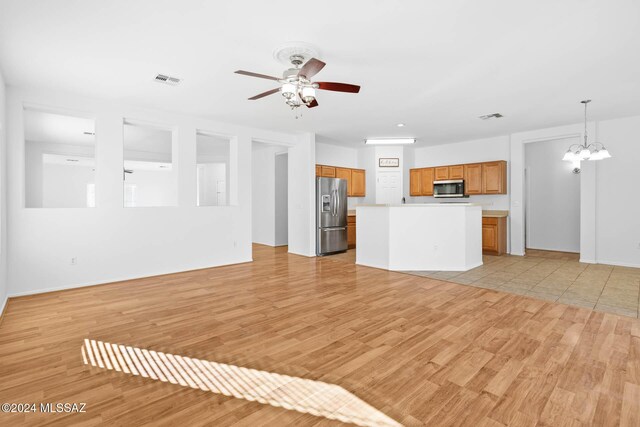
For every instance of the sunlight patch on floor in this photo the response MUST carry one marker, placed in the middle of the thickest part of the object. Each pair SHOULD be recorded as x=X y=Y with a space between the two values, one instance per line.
x=298 y=394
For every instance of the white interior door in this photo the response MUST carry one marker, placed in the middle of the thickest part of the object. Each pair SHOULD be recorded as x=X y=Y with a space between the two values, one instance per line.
x=389 y=188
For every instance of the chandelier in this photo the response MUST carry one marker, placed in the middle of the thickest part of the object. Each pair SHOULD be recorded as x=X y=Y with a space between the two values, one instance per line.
x=586 y=151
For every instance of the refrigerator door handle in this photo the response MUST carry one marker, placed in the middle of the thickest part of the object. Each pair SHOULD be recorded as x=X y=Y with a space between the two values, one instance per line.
x=337 y=203
x=334 y=229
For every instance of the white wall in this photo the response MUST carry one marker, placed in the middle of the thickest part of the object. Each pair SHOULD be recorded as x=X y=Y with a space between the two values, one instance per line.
x=282 y=199
x=263 y=194
x=35 y=179
x=367 y=161
x=552 y=197
x=618 y=202
x=475 y=151
x=65 y=185
x=111 y=242
x=3 y=197
x=151 y=188
x=335 y=155
x=301 y=195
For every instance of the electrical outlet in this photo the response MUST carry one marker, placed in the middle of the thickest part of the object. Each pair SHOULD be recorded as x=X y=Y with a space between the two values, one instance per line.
x=435 y=248
x=74 y=261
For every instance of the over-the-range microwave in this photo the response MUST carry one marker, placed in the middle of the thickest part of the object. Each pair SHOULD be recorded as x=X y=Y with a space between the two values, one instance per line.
x=449 y=188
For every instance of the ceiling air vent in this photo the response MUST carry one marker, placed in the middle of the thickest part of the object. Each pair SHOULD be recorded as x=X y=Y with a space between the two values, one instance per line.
x=168 y=80
x=491 y=116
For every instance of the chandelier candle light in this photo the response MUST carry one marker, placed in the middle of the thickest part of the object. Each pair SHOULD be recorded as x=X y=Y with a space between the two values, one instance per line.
x=586 y=151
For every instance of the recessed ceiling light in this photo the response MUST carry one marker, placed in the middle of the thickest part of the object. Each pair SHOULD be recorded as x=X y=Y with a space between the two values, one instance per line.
x=389 y=141
x=400 y=125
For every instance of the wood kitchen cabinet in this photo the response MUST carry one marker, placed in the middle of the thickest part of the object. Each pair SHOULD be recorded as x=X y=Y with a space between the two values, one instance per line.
x=473 y=178
x=456 y=172
x=356 y=178
x=358 y=182
x=494 y=177
x=328 y=171
x=414 y=182
x=494 y=235
x=426 y=181
x=351 y=231
x=441 y=173
x=345 y=173
x=479 y=178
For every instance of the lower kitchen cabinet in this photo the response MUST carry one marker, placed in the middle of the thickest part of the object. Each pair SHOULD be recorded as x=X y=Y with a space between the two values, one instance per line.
x=494 y=235
x=351 y=231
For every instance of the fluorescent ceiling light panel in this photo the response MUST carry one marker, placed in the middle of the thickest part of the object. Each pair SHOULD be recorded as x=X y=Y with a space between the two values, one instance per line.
x=389 y=141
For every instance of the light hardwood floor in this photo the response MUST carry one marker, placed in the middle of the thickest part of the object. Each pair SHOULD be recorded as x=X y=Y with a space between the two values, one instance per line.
x=420 y=350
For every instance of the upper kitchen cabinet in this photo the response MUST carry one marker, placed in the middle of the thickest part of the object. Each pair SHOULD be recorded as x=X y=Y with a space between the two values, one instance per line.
x=355 y=178
x=479 y=178
x=358 y=183
x=473 y=178
x=494 y=177
x=345 y=173
x=328 y=171
x=456 y=172
x=441 y=173
x=426 y=181
x=414 y=182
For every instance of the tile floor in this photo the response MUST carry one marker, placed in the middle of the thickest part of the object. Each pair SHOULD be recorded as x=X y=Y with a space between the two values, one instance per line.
x=555 y=276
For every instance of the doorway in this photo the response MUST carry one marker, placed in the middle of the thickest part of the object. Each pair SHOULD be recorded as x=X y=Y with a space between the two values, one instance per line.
x=269 y=194
x=552 y=197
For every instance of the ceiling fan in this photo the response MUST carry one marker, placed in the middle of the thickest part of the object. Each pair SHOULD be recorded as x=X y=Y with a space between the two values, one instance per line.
x=296 y=85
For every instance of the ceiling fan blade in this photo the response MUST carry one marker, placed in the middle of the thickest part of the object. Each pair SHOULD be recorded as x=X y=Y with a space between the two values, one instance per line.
x=338 y=87
x=312 y=104
x=261 y=76
x=311 y=68
x=263 y=94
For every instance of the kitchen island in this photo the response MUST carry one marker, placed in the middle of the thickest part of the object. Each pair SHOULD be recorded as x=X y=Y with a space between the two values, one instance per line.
x=432 y=237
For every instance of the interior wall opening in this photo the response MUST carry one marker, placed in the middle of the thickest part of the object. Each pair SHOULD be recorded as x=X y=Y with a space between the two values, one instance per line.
x=269 y=190
x=552 y=197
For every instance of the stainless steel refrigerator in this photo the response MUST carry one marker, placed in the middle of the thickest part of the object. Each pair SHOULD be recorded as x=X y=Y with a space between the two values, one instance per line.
x=331 y=215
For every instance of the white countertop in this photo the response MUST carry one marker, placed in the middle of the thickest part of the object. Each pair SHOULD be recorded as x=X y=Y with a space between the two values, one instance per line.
x=418 y=205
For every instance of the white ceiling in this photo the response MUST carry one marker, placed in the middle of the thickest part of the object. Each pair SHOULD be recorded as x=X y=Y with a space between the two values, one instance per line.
x=42 y=126
x=435 y=66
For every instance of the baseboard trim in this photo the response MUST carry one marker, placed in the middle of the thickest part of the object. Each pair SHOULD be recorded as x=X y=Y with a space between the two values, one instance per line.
x=589 y=261
x=115 y=280
x=3 y=307
x=618 y=264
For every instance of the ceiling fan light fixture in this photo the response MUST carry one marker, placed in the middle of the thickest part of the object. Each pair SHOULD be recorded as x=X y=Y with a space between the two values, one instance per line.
x=288 y=90
x=308 y=94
